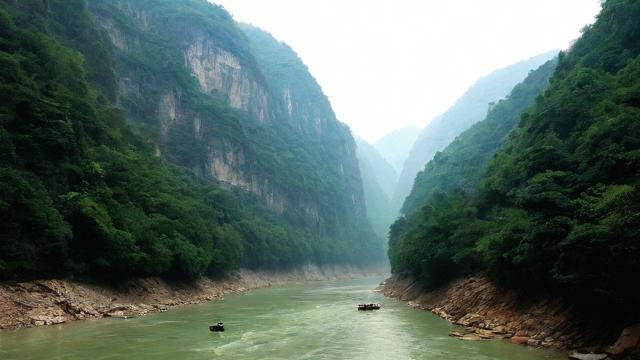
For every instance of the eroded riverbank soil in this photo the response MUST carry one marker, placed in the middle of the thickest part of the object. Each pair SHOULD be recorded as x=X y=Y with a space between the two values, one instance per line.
x=47 y=302
x=488 y=312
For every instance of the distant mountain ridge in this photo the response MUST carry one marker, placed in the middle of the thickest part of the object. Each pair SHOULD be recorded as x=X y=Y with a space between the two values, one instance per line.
x=396 y=145
x=469 y=109
x=377 y=176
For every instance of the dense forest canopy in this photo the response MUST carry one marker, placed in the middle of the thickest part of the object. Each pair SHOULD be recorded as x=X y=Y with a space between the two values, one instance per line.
x=83 y=190
x=557 y=208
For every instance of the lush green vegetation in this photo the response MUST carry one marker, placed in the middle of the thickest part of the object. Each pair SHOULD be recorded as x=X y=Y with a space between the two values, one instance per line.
x=460 y=166
x=435 y=241
x=471 y=108
x=83 y=193
x=301 y=161
x=320 y=153
x=558 y=206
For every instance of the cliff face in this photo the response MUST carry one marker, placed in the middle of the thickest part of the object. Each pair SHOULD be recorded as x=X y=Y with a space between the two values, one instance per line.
x=305 y=111
x=218 y=70
x=217 y=98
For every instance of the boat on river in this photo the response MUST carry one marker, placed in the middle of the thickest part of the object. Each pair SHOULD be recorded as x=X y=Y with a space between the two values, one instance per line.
x=365 y=307
x=217 y=327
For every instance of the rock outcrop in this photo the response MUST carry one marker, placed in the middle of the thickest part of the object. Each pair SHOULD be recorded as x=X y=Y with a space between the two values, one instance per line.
x=219 y=70
x=486 y=311
x=628 y=344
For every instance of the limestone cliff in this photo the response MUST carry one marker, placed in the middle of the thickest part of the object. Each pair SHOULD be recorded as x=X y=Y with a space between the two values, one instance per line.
x=234 y=105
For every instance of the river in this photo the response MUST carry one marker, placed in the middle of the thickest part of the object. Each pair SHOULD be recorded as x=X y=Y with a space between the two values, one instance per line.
x=316 y=320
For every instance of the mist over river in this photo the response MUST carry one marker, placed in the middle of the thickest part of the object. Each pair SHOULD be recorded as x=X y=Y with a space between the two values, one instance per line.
x=315 y=320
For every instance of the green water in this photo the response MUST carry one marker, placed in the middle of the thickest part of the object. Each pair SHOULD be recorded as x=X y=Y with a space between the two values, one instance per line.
x=317 y=320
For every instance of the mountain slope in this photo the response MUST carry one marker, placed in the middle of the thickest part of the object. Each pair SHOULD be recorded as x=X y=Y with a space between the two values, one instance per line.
x=396 y=145
x=104 y=106
x=469 y=109
x=283 y=143
x=460 y=166
x=373 y=168
x=557 y=210
x=384 y=172
x=439 y=202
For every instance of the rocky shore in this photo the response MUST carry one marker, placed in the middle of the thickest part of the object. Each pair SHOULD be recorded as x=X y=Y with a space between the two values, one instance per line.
x=483 y=311
x=54 y=301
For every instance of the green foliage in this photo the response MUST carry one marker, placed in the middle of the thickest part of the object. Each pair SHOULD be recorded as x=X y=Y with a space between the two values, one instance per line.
x=462 y=163
x=557 y=207
x=471 y=108
x=84 y=194
x=436 y=242
x=28 y=215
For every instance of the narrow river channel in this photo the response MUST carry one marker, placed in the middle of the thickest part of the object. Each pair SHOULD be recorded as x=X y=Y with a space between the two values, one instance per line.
x=316 y=320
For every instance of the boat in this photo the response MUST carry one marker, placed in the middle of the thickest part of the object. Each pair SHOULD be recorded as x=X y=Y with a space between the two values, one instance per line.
x=365 y=307
x=217 y=327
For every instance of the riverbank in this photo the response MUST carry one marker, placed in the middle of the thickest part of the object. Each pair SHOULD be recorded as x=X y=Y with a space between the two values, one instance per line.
x=54 y=301
x=488 y=312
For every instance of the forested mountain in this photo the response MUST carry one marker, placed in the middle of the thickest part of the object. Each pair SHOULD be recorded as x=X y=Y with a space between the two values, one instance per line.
x=459 y=167
x=395 y=147
x=468 y=110
x=557 y=209
x=144 y=137
x=377 y=175
x=384 y=172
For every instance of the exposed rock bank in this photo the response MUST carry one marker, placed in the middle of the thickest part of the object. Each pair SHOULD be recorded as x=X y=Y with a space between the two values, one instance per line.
x=487 y=312
x=47 y=302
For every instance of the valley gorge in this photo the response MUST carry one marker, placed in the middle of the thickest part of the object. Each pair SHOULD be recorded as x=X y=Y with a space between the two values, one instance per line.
x=166 y=165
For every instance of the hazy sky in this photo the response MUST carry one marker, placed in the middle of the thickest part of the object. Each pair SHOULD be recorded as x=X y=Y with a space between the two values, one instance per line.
x=385 y=64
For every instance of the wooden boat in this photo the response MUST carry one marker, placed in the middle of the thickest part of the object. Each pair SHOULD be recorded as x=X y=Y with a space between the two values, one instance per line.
x=217 y=327
x=365 y=307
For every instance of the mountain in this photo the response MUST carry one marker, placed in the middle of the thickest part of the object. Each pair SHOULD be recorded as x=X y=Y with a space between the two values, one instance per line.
x=377 y=176
x=385 y=174
x=395 y=146
x=159 y=137
x=459 y=167
x=447 y=183
x=557 y=209
x=469 y=109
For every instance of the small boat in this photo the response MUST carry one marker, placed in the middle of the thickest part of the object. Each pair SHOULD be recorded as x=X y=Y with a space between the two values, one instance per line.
x=365 y=307
x=217 y=327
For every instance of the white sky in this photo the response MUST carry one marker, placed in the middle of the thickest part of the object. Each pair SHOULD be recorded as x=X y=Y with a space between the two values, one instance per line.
x=385 y=64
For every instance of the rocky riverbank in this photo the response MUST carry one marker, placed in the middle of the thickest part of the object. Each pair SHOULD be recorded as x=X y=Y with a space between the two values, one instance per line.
x=53 y=301
x=485 y=311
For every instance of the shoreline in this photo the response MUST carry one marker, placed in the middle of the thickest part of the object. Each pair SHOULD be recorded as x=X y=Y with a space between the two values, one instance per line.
x=486 y=312
x=56 y=301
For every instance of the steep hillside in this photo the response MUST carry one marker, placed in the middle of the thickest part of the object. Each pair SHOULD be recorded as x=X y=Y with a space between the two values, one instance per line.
x=384 y=172
x=104 y=105
x=443 y=191
x=469 y=109
x=557 y=210
x=396 y=145
x=284 y=144
x=460 y=166
x=374 y=167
